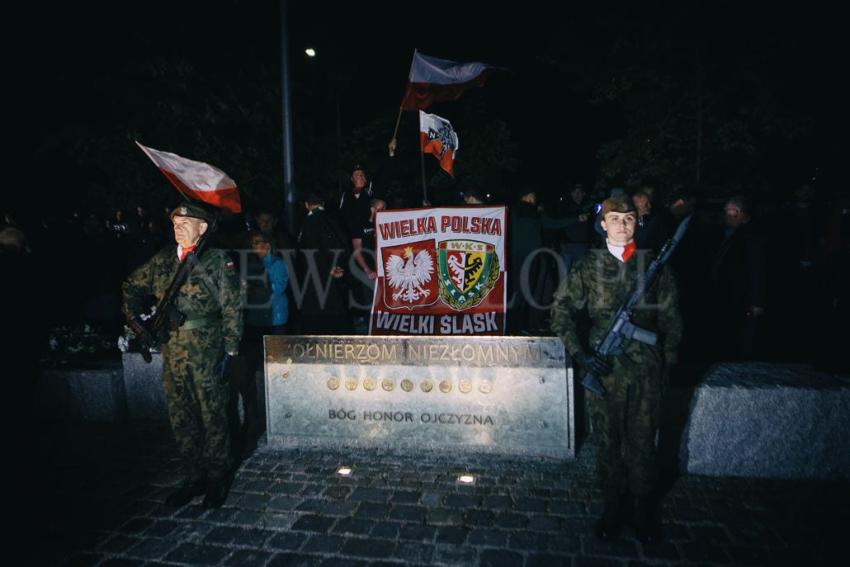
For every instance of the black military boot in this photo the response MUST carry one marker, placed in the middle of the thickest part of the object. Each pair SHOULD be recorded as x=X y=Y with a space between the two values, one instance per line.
x=646 y=520
x=216 y=494
x=184 y=494
x=609 y=525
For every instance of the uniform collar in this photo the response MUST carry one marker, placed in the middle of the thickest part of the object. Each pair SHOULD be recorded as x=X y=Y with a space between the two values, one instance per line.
x=180 y=253
x=621 y=252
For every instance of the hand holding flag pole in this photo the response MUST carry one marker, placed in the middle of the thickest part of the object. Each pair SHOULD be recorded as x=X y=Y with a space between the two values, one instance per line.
x=398 y=119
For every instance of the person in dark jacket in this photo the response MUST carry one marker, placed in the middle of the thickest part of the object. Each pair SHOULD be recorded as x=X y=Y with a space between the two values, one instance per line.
x=355 y=202
x=652 y=227
x=578 y=233
x=738 y=282
x=531 y=264
x=322 y=251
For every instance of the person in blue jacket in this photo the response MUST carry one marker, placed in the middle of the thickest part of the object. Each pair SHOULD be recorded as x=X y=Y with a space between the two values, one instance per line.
x=265 y=277
x=267 y=305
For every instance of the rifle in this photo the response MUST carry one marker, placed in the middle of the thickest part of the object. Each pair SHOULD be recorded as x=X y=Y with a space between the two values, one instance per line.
x=621 y=328
x=167 y=317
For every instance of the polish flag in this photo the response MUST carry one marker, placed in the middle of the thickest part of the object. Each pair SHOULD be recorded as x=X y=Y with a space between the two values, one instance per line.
x=436 y=136
x=433 y=80
x=196 y=179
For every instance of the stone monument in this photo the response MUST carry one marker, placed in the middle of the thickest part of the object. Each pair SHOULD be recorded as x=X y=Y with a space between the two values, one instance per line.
x=502 y=395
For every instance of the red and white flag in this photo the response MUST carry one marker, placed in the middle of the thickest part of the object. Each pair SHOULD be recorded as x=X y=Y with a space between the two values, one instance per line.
x=433 y=80
x=196 y=179
x=436 y=136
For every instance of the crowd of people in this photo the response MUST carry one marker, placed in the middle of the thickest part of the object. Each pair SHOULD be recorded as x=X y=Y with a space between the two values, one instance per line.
x=758 y=280
x=743 y=283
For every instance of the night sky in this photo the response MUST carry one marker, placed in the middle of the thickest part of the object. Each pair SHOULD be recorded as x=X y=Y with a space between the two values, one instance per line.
x=82 y=74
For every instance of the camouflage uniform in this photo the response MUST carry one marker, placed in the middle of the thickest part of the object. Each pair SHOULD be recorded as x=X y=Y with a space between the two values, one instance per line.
x=624 y=422
x=196 y=393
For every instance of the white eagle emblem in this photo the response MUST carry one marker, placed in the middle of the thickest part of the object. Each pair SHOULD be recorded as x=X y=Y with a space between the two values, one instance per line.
x=409 y=274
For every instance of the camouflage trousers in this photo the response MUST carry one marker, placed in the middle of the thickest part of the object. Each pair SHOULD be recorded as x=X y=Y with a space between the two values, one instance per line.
x=197 y=402
x=624 y=427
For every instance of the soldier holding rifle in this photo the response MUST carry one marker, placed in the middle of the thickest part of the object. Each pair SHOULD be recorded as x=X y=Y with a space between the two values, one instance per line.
x=198 y=294
x=635 y=330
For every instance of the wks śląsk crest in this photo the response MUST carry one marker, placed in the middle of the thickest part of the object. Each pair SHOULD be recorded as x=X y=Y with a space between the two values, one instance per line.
x=409 y=279
x=468 y=271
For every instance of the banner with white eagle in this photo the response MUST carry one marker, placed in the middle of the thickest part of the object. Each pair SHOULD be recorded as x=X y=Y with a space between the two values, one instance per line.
x=441 y=271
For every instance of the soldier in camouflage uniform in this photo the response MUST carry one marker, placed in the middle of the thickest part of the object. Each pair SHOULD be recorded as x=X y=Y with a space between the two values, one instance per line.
x=195 y=356
x=624 y=421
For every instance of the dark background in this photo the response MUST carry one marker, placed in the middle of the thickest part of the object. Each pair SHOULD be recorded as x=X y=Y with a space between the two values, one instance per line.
x=606 y=94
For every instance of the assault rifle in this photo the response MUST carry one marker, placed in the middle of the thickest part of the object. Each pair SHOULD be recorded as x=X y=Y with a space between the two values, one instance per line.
x=166 y=317
x=621 y=327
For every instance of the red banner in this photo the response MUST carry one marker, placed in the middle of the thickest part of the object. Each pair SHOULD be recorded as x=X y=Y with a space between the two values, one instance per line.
x=441 y=271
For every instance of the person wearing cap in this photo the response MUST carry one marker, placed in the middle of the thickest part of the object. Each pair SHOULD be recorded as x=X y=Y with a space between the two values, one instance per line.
x=597 y=222
x=354 y=203
x=624 y=421
x=196 y=353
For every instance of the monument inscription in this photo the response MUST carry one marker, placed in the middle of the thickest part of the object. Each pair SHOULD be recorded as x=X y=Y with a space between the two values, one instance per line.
x=507 y=395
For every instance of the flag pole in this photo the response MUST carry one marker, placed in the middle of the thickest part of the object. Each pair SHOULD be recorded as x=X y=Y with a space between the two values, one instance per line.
x=398 y=120
x=401 y=106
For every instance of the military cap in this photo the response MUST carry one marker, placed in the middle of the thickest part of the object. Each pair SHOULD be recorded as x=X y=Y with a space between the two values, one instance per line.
x=619 y=204
x=192 y=210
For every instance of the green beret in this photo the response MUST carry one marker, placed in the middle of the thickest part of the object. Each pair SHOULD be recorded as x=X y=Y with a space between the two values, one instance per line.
x=618 y=204
x=192 y=210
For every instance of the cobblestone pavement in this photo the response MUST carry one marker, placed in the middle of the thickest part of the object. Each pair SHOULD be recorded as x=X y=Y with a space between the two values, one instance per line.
x=103 y=488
